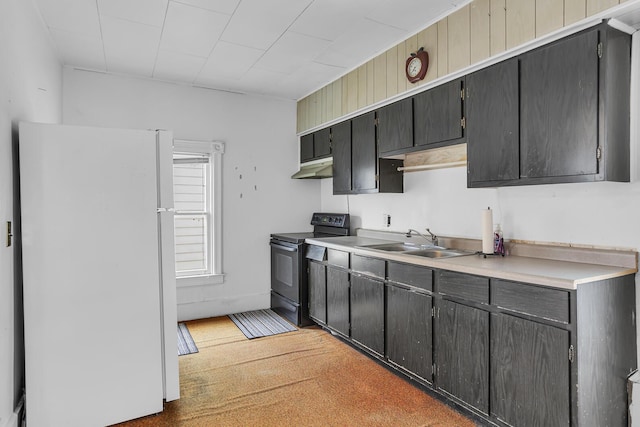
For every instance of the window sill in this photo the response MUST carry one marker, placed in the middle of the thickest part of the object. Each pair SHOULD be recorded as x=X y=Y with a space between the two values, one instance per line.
x=213 y=279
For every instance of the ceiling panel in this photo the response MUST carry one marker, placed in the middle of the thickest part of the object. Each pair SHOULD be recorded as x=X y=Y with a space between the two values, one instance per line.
x=222 y=6
x=390 y=14
x=291 y=52
x=230 y=61
x=283 y=48
x=365 y=39
x=177 y=66
x=259 y=23
x=77 y=16
x=150 y=12
x=328 y=19
x=129 y=47
x=192 y=30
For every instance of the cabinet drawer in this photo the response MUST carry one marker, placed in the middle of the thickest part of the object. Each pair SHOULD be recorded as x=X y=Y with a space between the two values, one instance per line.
x=413 y=275
x=338 y=258
x=461 y=285
x=369 y=266
x=551 y=304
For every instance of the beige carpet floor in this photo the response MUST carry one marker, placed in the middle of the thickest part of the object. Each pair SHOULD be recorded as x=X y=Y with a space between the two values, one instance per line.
x=302 y=378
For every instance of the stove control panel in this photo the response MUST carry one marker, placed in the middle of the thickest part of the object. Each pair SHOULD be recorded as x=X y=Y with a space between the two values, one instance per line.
x=330 y=220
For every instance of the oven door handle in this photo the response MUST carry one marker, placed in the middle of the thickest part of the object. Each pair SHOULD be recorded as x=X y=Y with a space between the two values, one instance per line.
x=284 y=248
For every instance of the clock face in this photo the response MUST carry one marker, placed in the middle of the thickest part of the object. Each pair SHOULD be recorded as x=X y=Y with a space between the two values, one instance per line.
x=414 y=67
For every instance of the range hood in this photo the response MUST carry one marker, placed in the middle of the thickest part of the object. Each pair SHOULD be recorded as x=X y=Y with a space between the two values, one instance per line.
x=315 y=170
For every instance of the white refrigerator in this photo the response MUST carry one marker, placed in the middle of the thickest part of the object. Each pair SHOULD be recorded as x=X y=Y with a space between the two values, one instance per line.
x=100 y=315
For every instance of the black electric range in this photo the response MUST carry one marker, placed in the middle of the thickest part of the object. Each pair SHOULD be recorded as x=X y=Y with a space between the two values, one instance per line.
x=289 y=293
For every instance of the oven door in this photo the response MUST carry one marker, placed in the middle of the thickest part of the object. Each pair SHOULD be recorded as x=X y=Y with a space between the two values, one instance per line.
x=286 y=265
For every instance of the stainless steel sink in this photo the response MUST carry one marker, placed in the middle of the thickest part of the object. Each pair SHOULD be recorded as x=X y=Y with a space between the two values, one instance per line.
x=395 y=247
x=428 y=251
x=439 y=253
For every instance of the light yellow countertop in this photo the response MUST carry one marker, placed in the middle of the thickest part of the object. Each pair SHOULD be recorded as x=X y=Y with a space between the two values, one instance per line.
x=546 y=272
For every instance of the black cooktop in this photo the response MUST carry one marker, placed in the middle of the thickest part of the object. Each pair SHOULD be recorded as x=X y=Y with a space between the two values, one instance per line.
x=324 y=225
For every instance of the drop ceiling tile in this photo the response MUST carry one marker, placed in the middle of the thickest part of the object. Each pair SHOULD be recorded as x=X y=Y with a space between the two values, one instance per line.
x=77 y=16
x=192 y=30
x=390 y=14
x=129 y=46
x=230 y=61
x=259 y=23
x=328 y=19
x=177 y=66
x=367 y=38
x=292 y=51
x=222 y=6
x=308 y=78
x=78 y=50
x=150 y=12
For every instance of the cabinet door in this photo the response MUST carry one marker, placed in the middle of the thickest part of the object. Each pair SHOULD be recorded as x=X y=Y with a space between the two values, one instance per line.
x=492 y=123
x=529 y=372
x=559 y=108
x=367 y=312
x=395 y=126
x=322 y=143
x=462 y=353
x=306 y=148
x=338 y=300
x=408 y=330
x=317 y=292
x=341 y=141
x=365 y=157
x=437 y=114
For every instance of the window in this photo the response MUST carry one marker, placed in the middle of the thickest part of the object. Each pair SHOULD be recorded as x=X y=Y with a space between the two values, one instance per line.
x=197 y=220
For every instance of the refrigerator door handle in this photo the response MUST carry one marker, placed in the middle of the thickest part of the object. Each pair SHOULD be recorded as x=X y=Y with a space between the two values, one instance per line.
x=159 y=210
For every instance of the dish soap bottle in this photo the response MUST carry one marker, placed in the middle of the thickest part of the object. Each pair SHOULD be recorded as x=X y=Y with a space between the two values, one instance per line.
x=498 y=242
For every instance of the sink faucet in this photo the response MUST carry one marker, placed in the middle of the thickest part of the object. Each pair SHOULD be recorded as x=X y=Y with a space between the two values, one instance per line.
x=433 y=239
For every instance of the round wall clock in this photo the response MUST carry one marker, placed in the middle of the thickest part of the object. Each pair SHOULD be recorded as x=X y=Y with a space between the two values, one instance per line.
x=416 y=65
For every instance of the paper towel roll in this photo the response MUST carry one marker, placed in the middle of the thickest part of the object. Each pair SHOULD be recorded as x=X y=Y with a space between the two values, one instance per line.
x=487 y=231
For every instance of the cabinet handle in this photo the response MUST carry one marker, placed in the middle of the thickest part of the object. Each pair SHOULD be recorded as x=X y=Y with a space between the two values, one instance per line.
x=572 y=353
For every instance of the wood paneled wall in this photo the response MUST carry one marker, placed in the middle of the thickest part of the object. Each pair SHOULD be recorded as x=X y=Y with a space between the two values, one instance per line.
x=473 y=33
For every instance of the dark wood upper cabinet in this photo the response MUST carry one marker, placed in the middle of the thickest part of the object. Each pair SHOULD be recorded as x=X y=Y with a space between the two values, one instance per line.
x=559 y=108
x=569 y=103
x=342 y=157
x=316 y=145
x=438 y=114
x=395 y=127
x=306 y=148
x=322 y=143
x=492 y=124
x=364 y=159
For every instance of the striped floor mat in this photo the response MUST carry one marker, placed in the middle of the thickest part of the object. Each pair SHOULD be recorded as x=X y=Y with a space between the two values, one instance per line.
x=261 y=323
x=185 y=342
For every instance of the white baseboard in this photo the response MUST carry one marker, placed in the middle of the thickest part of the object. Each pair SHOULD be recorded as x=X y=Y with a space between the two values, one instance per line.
x=223 y=306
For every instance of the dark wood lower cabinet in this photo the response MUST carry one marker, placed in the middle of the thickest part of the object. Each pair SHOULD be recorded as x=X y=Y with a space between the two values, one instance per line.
x=529 y=372
x=318 y=292
x=367 y=312
x=462 y=353
x=338 y=300
x=514 y=354
x=408 y=331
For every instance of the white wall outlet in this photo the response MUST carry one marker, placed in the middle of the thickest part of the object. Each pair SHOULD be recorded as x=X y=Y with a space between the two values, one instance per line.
x=386 y=220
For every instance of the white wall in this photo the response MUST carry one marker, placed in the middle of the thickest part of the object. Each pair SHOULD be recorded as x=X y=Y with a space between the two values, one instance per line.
x=30 y=90
x=261 y=147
